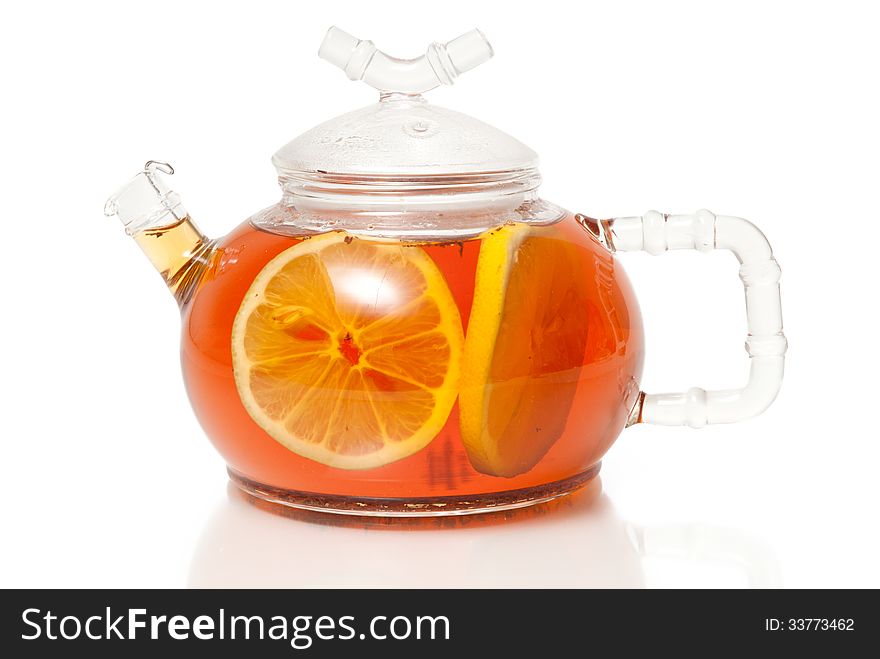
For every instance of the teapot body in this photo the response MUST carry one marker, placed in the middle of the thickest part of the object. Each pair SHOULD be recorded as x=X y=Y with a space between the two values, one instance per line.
x=412 y=330
x=378 y=375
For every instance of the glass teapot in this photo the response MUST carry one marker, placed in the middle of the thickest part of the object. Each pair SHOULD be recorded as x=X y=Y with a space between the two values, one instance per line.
x=411 y=329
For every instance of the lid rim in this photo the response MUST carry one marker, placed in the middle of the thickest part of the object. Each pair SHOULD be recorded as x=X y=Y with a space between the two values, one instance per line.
x=391 y=172
x=411 y=175
x=486 y=185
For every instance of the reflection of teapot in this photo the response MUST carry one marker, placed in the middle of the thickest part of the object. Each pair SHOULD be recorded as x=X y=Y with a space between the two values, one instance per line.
x=571 y=542
x=411 y=330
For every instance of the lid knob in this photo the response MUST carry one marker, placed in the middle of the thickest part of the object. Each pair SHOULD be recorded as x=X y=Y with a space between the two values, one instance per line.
x=440 y=65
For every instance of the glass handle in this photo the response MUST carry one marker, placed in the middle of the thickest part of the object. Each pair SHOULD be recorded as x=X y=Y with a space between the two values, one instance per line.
x=703 y=231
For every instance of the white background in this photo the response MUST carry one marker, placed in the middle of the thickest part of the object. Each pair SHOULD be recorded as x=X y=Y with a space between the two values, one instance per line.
x=768 y=110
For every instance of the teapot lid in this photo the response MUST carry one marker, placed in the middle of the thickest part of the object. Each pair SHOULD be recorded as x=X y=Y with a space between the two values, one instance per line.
x=404 y=136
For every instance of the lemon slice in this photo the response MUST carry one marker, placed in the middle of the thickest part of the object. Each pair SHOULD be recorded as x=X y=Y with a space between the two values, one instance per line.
x=347 y=351
x=525 y=347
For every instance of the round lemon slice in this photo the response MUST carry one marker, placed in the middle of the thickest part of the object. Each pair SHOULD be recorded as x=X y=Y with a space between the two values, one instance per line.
x=347 y=351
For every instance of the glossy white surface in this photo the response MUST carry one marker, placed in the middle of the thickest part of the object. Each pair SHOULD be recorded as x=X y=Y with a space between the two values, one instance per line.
x=579 y=542
x=109 y=481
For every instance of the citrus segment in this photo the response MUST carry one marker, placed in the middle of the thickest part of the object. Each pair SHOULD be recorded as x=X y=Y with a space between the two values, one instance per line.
x=347 y=351
x=525 y=347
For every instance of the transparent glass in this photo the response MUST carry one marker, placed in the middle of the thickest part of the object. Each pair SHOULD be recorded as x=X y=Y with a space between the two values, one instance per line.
x=428 y=361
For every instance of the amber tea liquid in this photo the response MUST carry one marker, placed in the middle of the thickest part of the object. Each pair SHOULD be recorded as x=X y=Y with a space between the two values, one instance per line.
x=585 y=404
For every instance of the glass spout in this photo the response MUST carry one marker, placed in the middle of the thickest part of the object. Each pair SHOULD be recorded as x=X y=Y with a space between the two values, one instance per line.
x=154 y=216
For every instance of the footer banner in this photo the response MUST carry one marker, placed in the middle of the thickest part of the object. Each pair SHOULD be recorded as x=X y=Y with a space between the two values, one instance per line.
x=284 y=623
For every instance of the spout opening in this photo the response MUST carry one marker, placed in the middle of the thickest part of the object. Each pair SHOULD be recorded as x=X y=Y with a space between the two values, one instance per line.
x=146 y=201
